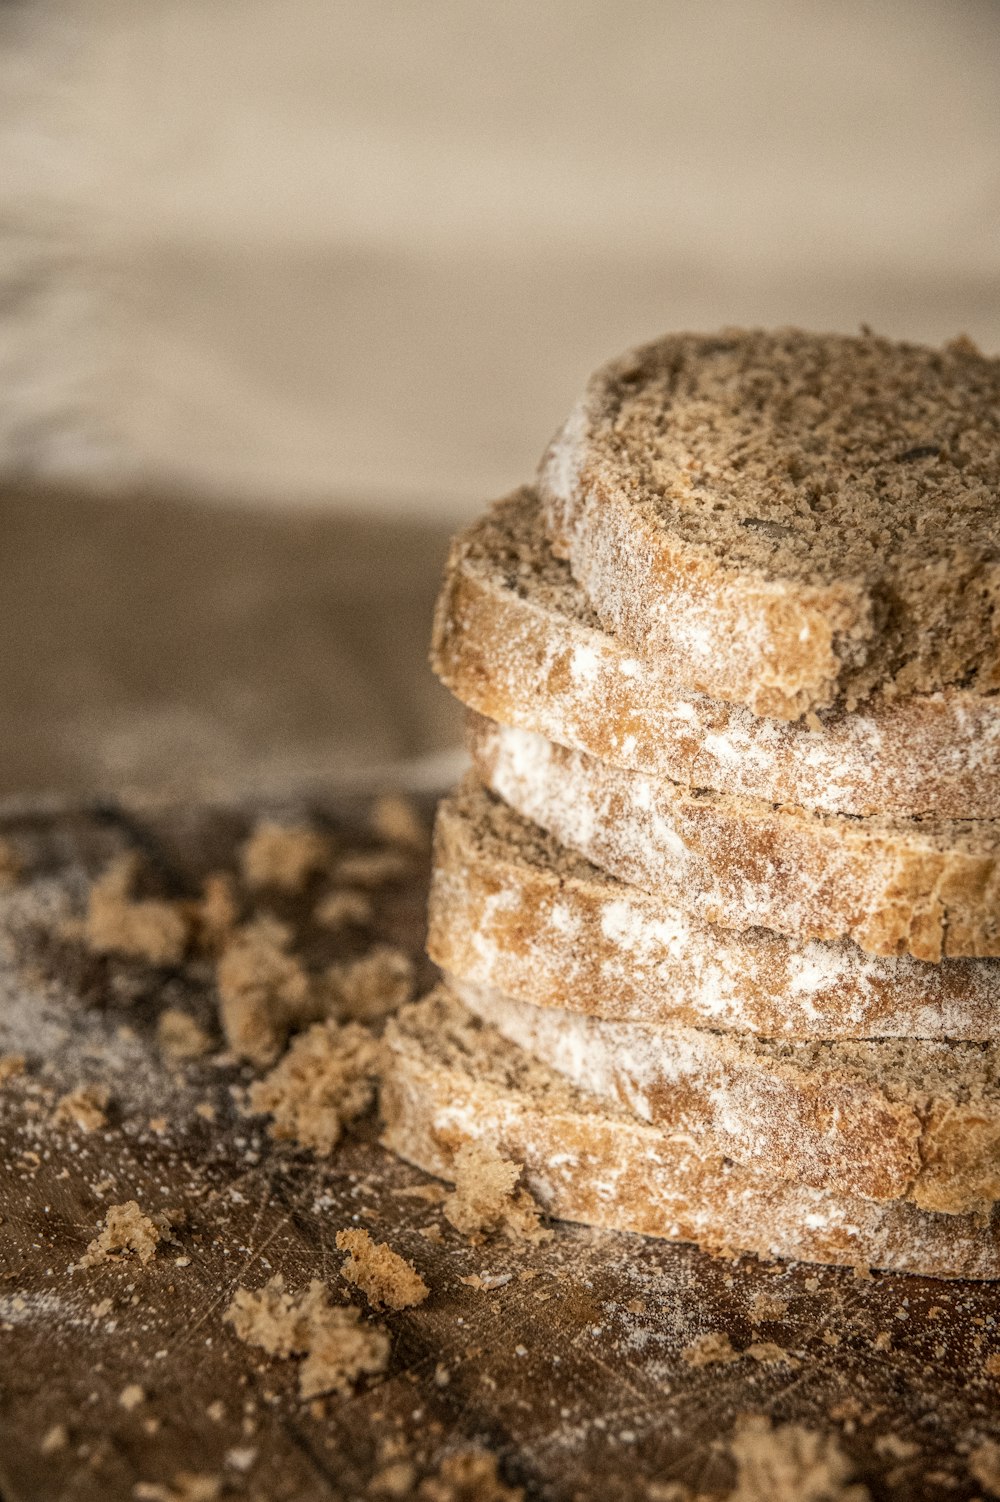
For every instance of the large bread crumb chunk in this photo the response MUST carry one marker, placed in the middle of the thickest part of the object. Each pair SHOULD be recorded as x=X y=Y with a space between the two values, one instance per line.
x=325 y=1080
x=368 y=989
x=486 y=1196
x=790 y=1464
x=150 y=929
x=283 y=856
x=385 y=1278
x=128 y=1230
x=263 y=991
x=468 y=1477
x=338 y=1348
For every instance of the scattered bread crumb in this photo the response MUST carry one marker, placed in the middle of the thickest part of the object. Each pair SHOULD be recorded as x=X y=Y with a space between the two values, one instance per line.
x=432 y=1194
x=188 y=1486
x=54 y=1439
x=283 y=856
x=790 y=1464
x=339 y=909
x=991 y=1366
x=369 y=988
x=882 y=1341
x=325 y=1080
x=85 y=1107
x=896 y=1447
x=10 y=864
x=468 y=1477
x=711 y=1349
x=150 y=929
x=337 y=1348
x=371 y=868
x=180 y=1037
x=766 y=1306
x=385 y=1278
x=263 y=991
x=984 y=1466
x=393 y=1480
x=397 y=819
x=126 y=1229
x=769 y=1354
x=486 y=1196
x=11 y=1065
x=218 y=911
x=131 y=1397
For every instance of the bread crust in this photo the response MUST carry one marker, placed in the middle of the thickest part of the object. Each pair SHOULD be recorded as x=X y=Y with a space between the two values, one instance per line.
x=924 y=888
x=884 y=1120
x=515 y=640
x=512 y=910
x=449 y=1080
x=771 y=425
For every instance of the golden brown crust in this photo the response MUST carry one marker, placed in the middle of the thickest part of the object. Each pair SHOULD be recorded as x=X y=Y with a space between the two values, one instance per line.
x=512 y=910
x=790 y=518
x=449 y=1081
x=926 y=888
x=515 y=639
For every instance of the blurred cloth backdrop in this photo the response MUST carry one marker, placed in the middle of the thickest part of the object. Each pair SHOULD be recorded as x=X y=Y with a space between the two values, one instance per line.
x=361 y=257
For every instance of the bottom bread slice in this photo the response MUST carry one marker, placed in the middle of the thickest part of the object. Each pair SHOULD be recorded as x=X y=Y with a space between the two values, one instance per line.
x=896 y=1118
x=449 y=1079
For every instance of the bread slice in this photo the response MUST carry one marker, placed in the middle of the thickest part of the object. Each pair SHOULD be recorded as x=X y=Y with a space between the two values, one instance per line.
x=924 y=887
x=450 y=1080
x=791 y=519
x=512 y=910
x=893 y=1119
x=515 y=639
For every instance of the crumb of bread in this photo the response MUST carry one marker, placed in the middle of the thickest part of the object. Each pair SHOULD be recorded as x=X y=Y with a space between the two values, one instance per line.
x=385 y=1278
x=10 y=864
x=54 y=1439
x=397 y=819
x=180 y=1037
x=144 y=929
x=896 y=1447
x=765 y=1306
x=188 y=1486
x=486 y=1196
x=470 y=1476
x=263 y=991
x=714 y=1348
x=371 y=868
x=126 y=1229
x=131 y=1397
x=991 y=1366
x=790 y=1464
x=342 y=908
x=368 y=989
x=85 y=1107
x=283 y=856
x=431 y=1194
x=11 y=1065
x=984 y=1466
x=769 y=1354
x=337 y=1347
x=393 y=1480
x=325 y=1080
x=218 y=911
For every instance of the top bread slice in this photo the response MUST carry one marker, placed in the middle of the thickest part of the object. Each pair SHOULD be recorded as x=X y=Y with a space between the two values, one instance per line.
x=792 y=519
x=516 y=640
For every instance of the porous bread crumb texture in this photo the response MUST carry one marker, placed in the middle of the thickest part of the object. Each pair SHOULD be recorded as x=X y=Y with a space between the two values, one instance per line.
x=127 y=1231
x=337 y=1348
x=470 y=1476
x=325 y=1080
x=790 y=1463
x=889 y=1119
x=449 y=1080
x=512 y=910
x=387 y=1280
x=264 y=991
x=516 y=640
x=789 y=517
x=283 y=856
x=711 y=1349
x=367 y=989
x=923 y=887
x=118 y=923
x=486 y=1196
x=85 y=1108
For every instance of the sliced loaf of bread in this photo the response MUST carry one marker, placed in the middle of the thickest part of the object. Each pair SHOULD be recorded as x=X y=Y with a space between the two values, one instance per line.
x=891 y=1119
x=513 y=910
x=924 y=887
x=515 y=639
x=449 y=1080
x=791 y=519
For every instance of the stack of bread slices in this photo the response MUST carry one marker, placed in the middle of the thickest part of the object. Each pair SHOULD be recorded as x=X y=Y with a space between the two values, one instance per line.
x=718 y=907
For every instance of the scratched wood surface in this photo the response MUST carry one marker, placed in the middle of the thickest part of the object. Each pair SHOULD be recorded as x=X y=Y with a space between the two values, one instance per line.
x=568 y=1365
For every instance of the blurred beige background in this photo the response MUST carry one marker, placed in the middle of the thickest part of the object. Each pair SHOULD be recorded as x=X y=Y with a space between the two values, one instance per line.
x=287 y=287
x=367 y=253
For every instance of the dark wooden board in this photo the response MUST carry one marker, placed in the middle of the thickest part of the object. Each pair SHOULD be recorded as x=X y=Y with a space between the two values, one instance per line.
x=571 y=1372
